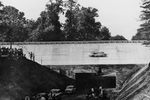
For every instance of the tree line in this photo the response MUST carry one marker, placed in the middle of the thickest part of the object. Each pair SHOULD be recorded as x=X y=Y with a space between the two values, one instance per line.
x=143 y=32
x=80 y=24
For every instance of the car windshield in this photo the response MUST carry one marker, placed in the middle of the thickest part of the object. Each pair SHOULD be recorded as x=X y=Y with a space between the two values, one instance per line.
x=70 y=87
x=55 y=91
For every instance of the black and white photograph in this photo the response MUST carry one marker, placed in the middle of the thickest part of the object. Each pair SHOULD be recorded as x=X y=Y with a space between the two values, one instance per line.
x=74 y=49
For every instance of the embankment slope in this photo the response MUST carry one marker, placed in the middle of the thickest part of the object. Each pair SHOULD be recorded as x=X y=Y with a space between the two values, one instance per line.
x=22 y=77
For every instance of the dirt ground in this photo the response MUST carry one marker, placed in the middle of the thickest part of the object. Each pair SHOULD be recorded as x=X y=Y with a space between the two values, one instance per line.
x=74 y=97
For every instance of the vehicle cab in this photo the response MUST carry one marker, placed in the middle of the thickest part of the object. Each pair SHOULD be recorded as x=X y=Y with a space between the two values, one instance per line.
x=55 y=94
x=70 y=89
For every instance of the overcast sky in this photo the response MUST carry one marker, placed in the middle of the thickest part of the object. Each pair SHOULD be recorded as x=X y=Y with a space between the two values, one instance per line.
x=120 y=16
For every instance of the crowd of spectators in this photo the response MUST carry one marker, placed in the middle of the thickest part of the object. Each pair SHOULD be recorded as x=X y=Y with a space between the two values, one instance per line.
x=97 y=94
x=11 y=52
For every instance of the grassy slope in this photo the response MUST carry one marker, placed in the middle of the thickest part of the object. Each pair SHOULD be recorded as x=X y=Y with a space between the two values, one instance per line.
x=22 y=77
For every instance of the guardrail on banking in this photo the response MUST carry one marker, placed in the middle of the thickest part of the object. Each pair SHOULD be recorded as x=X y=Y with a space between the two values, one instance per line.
x=71 y=42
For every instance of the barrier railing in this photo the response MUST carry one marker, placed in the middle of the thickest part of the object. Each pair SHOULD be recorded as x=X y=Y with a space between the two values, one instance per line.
x=72 y=42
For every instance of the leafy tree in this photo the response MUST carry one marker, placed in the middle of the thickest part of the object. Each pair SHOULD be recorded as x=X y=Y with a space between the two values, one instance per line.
x=105 y=34
x=81 y=24
x=1 y=20
x=1 y=5
x=12 y=25
x=143 y=33
x=118 y=37
x=69 y=31
x=48 y=25
x=87 y=27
